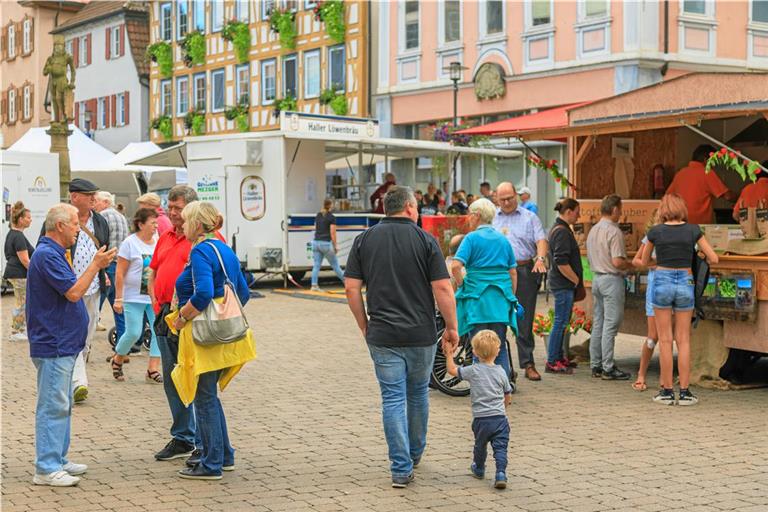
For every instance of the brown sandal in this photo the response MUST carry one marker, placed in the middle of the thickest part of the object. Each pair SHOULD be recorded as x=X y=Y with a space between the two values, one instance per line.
x=117 y=370
x=639 y=386
x=154 y=377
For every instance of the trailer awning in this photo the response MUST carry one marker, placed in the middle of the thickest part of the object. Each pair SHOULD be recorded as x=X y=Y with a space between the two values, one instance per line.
x=172 y=156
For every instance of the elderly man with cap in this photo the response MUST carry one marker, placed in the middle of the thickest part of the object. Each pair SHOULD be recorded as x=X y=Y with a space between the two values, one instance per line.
x=525 y=200
x=93 y=234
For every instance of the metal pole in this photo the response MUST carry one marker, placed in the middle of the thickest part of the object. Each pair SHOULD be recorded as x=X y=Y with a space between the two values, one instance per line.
x=455 y=124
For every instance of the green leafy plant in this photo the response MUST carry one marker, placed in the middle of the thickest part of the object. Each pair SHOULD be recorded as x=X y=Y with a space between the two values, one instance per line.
x=194 y=122
x=164 y=125
x=743 y=166
x=331 y=13
x=283 y=23
x=162 y=53
x=238 y=114
x=288 y=103
x=239 y=35
x=552 y=168
x=336 y=100
x=193 y=48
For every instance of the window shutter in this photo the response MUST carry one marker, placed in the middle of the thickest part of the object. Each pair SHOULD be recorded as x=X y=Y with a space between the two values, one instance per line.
x=93 y=109
x=4 y=43
x=108 y=42
x=88 y=47
x=76 y=51
x=113 y=100
x=107 y=112
x=77 y=114
x=122 y=39
x=19 y=37
x=127 y=107
x=19 y=103
x=4 y=108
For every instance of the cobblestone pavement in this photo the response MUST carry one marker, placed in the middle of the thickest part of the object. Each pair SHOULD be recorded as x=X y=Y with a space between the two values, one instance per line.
x=305 y=420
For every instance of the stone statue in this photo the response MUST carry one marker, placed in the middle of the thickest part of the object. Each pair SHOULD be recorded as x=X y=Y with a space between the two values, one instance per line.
x=59 y=88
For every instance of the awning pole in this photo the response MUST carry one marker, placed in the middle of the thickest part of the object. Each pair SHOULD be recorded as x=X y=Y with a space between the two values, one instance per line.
x=721 y=144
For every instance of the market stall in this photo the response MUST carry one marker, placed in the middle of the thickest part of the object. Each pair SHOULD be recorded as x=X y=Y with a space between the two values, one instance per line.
x=633 y=144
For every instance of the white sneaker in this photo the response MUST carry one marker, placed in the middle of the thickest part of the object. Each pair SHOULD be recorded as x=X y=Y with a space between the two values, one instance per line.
x=56 y=479
x=75 y=469
x=100 y=327
x=316 y=289
x=19 y=336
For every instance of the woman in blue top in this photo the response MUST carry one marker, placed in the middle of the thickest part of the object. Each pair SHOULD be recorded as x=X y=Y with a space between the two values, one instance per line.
x=201 y=221
x=485 y=298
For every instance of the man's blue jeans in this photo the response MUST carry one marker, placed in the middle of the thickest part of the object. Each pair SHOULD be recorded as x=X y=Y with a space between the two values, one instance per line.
x=110 y=296
x=212 y=425
x=322 y=249
x=501 y=331
x=53 y=414
x=183 y=426
x=403 y=375
x=563 y=308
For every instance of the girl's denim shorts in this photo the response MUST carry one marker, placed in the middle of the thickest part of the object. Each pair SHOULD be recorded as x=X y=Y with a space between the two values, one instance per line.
x=673 y=289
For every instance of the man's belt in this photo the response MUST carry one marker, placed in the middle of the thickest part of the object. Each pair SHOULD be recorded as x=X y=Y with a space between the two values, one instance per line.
x=523 y=263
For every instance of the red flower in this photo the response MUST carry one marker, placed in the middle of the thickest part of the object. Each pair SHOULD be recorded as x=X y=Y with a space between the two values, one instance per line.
x=732 y=155
x=723 y=151
x=711 y=154
x=557 y=180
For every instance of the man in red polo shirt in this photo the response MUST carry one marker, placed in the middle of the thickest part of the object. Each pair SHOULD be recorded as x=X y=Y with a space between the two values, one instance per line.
x=170 y=257
x=699 y=188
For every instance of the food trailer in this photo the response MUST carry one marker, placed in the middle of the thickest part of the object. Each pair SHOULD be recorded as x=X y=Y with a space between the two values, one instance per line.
x=270 y=185
x=633 y=144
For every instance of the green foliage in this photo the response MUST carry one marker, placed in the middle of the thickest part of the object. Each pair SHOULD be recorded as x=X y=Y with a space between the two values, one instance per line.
x=162 y=53
x=327 y=96
x=242 y=123
x=164 y=125
x=288 y=103
x=743 y=166
x=239 y=35
x=331 y=13
x=238 y=114
x=339 y=105
x=194 y=121
x=282 y=22
x=193 y=48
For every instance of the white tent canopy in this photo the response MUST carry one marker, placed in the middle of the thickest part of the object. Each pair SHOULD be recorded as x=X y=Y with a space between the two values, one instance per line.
x=158 y=177
x=84 y=153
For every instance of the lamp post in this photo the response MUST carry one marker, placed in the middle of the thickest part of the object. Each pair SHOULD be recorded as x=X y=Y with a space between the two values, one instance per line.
x=455 y=71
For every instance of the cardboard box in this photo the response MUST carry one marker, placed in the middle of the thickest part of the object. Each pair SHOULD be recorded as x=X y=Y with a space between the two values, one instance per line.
x=720 y=236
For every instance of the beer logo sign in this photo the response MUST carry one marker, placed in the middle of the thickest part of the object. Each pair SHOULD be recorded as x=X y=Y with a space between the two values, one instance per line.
x=39 y=186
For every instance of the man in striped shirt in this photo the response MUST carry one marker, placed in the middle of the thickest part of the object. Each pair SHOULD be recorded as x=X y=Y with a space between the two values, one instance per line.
x=118 y=231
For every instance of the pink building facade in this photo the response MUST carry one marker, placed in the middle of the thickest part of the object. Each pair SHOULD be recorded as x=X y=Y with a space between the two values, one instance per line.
x=523 y=56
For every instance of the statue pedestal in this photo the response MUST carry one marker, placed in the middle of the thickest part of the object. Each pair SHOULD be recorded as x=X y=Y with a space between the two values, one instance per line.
x=59 y=133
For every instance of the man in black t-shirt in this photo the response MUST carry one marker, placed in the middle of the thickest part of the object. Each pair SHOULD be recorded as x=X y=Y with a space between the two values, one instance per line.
x=405 y=273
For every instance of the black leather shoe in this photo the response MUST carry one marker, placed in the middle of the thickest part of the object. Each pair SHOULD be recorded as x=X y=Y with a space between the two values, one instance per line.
x=615 y=374
x=198 y=473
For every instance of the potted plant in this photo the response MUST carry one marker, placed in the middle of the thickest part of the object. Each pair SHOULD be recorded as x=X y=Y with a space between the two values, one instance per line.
x=331 y=12
x=288 y=103
x=542 y=325
x=336 y=100
x=193 y=49
x=238 y=114
x=238 y=33
x=283 y=23
x=194 y=122
x=164 y=125
x=162 y=53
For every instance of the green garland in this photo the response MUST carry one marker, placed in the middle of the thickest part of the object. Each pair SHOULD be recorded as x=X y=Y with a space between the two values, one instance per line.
x=164 y=125
x=194 y=121
x=552 y=168
x=238 y=114
x=282 y=22
x=162 y=53
x=193 y=48
x=732 y=161
x=239 y=35
x=331 y=13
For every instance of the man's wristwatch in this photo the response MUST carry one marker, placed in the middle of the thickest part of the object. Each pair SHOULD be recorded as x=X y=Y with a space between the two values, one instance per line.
x=182 y=317
x=540 y=258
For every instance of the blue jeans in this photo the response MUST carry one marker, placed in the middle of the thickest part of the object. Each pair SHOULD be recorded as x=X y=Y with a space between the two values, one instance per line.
x=322 y=249
x=134 y=313
x=494 y=430
x=501 y=331
x=212 y=424
x=563 y=307
x=673 y=289
x=53 y=414
x=649 y=294
x=183 y=426
x=403 y=375
x=110 y=296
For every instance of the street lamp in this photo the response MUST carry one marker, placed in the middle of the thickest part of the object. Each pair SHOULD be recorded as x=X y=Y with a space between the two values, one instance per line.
x=455 y=71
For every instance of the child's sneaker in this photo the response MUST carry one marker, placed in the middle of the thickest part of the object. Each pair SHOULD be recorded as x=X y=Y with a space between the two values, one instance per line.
x=477 y=472
x=665 y=397
x=687 y=398
x=501 y=480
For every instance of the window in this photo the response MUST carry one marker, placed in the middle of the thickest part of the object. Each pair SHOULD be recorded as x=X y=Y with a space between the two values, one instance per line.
x=198 y=91
x=411 y=24
x=12 y=105
x=494 y=17
x=268 y=71
x=82 y=108
x=312 y=74
x=760 y=11
x=165 y=22
x=101 y=112
x=121 y=109
x=27 y=38
x=27 y=107
x=267 y=6
x=290 y=76
x=83 y=51
x=241 y=10
x=217 y=90
x=242 y=84
x=595 y=8
x=695 y=7
x=198 y=14
x=451 y=21
x=182 y=19
x=182 y=96
x=116 y=43
x=11 y=44
x=290 y=5
x=541 y=12
x=336 y=67
x=166 y=99
x=217 y=15
x=68 y=47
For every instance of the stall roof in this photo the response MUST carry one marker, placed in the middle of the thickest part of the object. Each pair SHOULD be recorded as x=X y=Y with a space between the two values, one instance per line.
x=172 y=156
x=84 y=153
x=688 y=99
x=553 y=118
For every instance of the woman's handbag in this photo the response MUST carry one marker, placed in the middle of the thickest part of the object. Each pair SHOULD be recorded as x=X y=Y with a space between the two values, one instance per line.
x=222 y=322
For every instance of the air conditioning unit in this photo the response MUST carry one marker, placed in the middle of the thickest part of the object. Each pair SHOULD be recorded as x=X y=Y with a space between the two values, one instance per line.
x=243 y=152
x=262 y=258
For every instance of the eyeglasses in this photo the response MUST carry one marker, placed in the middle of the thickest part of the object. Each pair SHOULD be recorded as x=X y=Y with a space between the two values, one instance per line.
x=507 y=199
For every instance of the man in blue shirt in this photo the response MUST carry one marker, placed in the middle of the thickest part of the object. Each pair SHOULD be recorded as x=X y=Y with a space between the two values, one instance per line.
x=525 y=233
x=525 y=200
x=57 y=328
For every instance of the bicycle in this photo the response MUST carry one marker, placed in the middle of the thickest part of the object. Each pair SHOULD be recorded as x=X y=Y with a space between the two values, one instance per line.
x=453 y=386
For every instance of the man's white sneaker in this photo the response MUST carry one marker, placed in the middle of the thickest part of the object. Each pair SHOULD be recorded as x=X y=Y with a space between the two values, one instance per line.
x=75 y=469
x=56 y=479
x=19 y=336
x=316 y=289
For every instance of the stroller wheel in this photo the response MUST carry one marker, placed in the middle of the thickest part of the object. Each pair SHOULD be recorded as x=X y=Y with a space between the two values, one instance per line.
x=112 y=337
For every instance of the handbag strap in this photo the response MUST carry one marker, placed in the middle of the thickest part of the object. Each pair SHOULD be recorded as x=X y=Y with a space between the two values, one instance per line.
x=221 y=261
